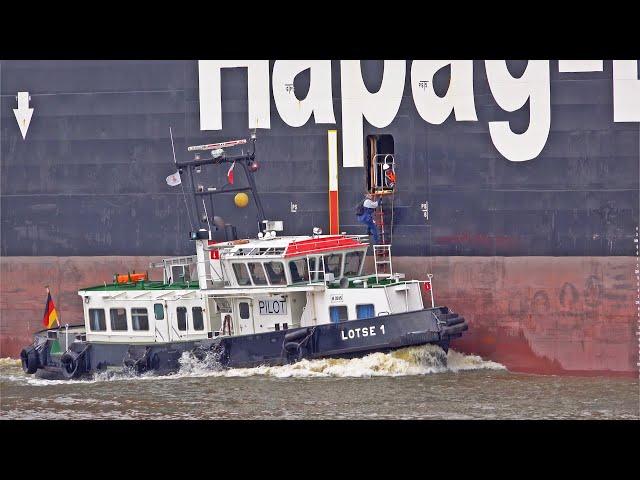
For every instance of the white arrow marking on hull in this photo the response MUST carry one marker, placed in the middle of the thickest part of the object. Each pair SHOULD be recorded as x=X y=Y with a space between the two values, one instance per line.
x=23 y=113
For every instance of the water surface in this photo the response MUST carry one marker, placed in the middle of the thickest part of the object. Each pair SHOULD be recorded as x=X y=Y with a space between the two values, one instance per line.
x=413 y=383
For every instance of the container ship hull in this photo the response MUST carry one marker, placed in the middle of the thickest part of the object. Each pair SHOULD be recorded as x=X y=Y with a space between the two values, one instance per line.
x=539 y=253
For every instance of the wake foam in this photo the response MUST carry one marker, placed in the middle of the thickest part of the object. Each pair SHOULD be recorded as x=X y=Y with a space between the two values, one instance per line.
x=422 y=360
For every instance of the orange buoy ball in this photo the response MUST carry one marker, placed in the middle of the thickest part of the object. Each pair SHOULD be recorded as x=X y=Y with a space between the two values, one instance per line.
x=241 y=200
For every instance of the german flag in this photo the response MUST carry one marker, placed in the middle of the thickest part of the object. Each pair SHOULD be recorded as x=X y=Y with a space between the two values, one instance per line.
x=50 y=313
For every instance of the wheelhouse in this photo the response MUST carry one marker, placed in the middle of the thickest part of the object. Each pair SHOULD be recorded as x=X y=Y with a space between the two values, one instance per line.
x=287 y=261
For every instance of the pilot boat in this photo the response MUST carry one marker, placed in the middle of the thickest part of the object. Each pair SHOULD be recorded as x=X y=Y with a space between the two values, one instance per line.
x=269 y=300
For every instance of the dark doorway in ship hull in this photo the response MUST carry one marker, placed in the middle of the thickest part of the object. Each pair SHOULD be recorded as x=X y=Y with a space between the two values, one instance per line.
x=380 y=150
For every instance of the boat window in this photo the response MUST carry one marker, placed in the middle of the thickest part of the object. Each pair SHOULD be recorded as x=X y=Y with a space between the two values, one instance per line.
x=338 y=314
x=275 y=270
x=299 y=271
x=97 y=322
x=244 y=310
x=180 y=273
x=198 y=321
x=181 y=313
x=158 y=311
x=365 y=311
x=118 y=319
x=257 y=273
x=352 y=263
x=139 y=319
x=223 y=305
x=333 y=264
x=242 y=275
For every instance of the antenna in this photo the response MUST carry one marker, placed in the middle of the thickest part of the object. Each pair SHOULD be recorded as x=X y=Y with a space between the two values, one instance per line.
x=172 y=146
x=184 y=195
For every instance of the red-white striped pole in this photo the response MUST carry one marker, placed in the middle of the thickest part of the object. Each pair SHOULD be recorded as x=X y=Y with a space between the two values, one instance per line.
x=334 y=219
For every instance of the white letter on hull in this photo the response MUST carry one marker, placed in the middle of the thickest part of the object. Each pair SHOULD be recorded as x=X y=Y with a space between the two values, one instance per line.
x=578 y=66
x=358 y=103
x=626 y=91
x=511 y=94
x=211 y=96
x=318 y=101
x=459 y=97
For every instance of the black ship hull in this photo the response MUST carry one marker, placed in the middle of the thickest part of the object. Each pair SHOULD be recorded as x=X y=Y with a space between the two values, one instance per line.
x=350 y=339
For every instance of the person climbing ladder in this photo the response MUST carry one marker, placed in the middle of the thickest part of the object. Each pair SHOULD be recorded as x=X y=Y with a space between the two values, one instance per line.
x=364 y=214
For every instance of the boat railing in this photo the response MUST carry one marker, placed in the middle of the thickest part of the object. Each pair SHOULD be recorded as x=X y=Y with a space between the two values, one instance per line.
x=318 y=265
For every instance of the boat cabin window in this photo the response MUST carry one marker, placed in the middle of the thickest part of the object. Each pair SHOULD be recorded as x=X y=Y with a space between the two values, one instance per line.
x=299 y=270
x=275 y=270
x=333 y=264
x=352 y=262
x=139 y=319
x=158 y=311
x=198 y=321
x=97 y=321
x=244 y=310
x=181 y=313
x=338 y=313
x=365 y=311
x=257 y=273
x=118 y=319
x=180 y=273
x=242 y=274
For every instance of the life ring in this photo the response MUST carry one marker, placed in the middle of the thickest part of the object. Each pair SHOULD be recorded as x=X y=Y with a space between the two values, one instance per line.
x=30 y=360
x=71 y=365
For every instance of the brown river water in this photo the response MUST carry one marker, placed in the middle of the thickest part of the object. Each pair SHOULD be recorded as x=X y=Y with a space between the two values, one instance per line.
x=413 y=383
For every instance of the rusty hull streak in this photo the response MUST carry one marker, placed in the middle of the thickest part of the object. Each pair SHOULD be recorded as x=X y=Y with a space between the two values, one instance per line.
x=547 y=315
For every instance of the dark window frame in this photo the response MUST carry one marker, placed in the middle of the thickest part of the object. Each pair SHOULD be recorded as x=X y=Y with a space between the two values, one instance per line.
x=246 y=271
x=373 y=307
x=339 y=308
x=300 y=278
x=113 y=319
x=281 y=279
x=138 y=315
x=352 y=254
x=200 y=318
x=155 y=311
x=181 y=321
x=264 y=273
x=102 y=322
x=326 y=264
x=240 y=310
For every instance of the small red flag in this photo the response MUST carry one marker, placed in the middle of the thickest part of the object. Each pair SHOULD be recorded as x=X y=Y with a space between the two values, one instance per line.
x=426 y=286
x=230 y=173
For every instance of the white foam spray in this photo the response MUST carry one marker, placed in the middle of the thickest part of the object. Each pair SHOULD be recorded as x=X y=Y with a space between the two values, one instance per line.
x=422 y=360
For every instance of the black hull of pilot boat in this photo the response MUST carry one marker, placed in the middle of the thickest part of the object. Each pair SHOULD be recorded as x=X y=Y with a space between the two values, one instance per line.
x=353 y=338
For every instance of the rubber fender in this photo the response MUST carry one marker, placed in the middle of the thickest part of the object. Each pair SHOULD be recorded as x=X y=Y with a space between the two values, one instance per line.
x=297 y=335
x=154 y=362
x=71 y=365
x=291 y=346
x=454 y=321
x=456 y=329
x=30 y=360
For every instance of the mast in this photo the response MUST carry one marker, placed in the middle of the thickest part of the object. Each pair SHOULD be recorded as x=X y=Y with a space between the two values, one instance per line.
x=218 y=156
